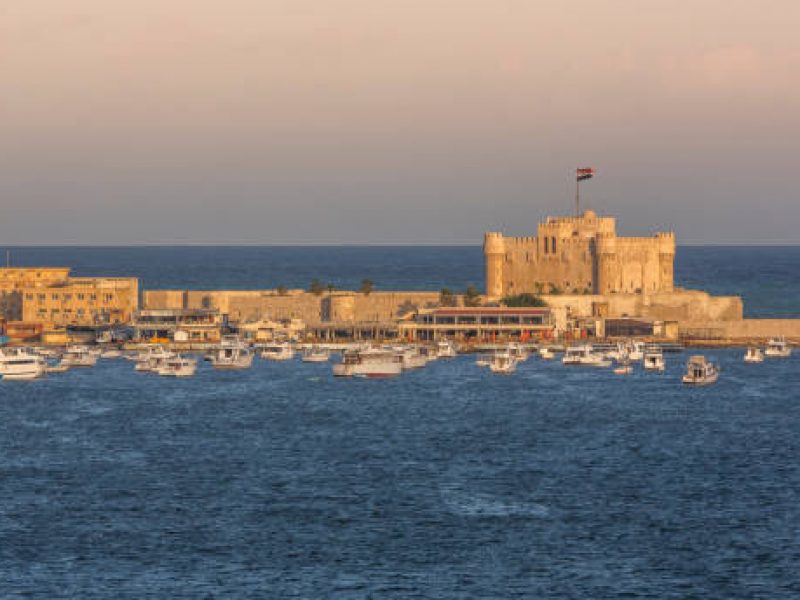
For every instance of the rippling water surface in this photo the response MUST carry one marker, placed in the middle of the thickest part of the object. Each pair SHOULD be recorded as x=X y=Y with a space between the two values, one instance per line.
x=448 y=482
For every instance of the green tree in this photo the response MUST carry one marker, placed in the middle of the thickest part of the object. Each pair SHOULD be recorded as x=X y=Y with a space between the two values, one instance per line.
x=555 y=290
x=331 y=288
x=316 y=287
x=524 y=300
x=472 y=297
x=446 y=297
x=281 y=290
x=367 y=285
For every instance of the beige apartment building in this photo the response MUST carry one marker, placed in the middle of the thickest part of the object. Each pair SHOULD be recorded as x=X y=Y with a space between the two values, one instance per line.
x=52 y=297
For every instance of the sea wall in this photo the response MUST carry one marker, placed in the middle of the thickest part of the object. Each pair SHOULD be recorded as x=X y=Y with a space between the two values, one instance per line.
x=754 y=330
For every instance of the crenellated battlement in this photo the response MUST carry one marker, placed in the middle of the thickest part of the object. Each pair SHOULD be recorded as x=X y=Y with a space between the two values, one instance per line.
x=579 y=253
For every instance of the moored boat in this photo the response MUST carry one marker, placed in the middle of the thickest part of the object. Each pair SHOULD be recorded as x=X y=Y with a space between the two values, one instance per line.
x=232 y=354
x=753 y=355
x=446 y=349
x=584 y=356
x=278 y=352
x=316 y=354
x=778 y=348
x=654 y=360
x=79 y=356
x=177 y=366
x=371 y=363
x=503 y=363
x=700 y=371
x=20 y=364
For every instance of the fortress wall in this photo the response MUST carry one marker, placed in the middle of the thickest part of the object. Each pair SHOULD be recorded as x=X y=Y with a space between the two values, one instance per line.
x=761 y=329
x=525 y=263
x=258 y=305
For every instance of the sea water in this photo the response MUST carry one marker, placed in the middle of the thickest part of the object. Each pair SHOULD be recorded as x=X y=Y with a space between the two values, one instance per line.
x=448 y=482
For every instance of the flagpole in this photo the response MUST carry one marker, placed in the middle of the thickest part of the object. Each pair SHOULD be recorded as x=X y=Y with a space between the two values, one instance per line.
x=577 y=196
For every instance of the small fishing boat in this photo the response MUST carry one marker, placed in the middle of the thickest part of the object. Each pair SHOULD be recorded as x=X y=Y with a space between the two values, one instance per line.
x=152 y=359
x=517 y=351
x=700 y=371
x=57 y=368
x=754 y=355
x=177 y=366
x=315 y=354
x=635 y=351
x=446 y=349
x=106 y=354
x=546 y=354
x=278 y=352
x=584 y=356
x=623 y=369
x=654 y=360
x=232 y=354
x=20 y=364
x=79 y=356
x=370 y=363
x=411 y=358
x=503 y=363
x=778 y=348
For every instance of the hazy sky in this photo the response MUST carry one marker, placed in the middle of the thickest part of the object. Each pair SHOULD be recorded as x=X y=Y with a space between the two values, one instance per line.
x=291 y=121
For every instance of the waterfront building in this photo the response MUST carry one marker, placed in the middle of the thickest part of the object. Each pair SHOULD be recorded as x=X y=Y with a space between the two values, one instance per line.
x=480 y=324
x=51 y=297
x=198 y=325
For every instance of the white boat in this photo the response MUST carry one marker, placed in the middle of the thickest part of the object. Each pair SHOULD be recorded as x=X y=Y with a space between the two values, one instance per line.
x=518 y=351
x=410 y=358
x=584 y=356
x=177 y=366
x=654 y=360
x=372 y=363
x=152 y=359
x=79 y=356
x=754 y=355
x=700 y=371
x=315 y=354
x=106 y=354
x=546 y=354
x=778 y=348
x=428 y=352
x=232 y=354
x=623 y=369
x=503 y=363
x=445 y=349
x=277 y=352
x=57 y=368
x=635 y=351
x=18 y=364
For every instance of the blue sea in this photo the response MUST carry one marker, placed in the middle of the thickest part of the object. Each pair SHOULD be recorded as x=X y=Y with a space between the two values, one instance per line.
x=448 y=482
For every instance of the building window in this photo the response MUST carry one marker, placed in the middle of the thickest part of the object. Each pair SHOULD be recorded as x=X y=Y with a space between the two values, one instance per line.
x=553 y=245
x=54 y=296
x=80 y=296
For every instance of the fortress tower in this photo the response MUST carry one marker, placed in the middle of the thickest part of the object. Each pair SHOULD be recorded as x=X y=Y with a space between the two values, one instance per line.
x=578 y=255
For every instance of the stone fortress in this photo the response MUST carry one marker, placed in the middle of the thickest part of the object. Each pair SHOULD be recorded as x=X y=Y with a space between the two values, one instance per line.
x=578 y=255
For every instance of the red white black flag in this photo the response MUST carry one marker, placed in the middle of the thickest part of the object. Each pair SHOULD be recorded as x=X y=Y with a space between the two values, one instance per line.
x=585 y=173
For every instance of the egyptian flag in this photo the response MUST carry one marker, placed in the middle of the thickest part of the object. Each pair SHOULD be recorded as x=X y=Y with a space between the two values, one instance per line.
x=586 y=173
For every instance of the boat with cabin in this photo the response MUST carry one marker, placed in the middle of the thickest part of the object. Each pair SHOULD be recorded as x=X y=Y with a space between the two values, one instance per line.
x=232 y=354
x=584 y=356
x=79 y=356
x=700 y=371
x=316 y=354
x=177 y=366
x=20 y=364
x=754 y=355
x=654 y=360
x=446 y=349
x=284 y=351
x=369 y=363
x=503 y=363
x=778 y=348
